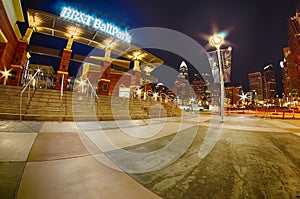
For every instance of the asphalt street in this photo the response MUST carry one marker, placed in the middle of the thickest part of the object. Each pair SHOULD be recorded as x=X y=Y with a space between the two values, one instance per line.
x=253 y=158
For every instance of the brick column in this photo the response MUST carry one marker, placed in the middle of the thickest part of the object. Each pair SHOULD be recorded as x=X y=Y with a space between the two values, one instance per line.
x=2 y=49
x=19 y=59
x=64 y=66
x=104 y=81
x=2 y=59
x=63 y=69
x=18 y=64
x=136 y=78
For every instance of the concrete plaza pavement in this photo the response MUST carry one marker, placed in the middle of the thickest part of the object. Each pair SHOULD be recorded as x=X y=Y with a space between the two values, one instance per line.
x=190 y=157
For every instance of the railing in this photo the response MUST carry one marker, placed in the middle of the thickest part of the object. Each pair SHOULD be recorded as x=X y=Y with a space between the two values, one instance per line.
x=61 y=95
x=135 y=94
x=155 y=97
x=93 y=94
x=146 y=94
x=29 y=91
x=269 y=113
x=282 y=114
x=169 y=99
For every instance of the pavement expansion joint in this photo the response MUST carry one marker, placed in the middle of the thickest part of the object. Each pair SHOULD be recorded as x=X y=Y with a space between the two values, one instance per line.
x=62 y=158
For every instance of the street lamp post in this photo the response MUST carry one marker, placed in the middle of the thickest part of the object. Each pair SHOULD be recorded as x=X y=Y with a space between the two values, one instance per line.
x=217 y=40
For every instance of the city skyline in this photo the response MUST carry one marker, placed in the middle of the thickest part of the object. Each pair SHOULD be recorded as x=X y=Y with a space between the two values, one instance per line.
x=252 y=27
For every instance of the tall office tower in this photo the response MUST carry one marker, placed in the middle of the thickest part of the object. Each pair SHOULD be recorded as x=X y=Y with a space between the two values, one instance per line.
x=200 y=88
x=290 y=77
x=269 y=82
x=232 y=95
x=182 y=83
x=255 y=83
x=291 y=65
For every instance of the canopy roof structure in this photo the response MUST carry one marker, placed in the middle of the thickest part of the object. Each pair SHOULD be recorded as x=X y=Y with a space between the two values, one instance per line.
x=53 y=25
x=45 y=69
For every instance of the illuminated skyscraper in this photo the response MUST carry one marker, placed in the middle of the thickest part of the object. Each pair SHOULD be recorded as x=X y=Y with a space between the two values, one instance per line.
x=269 y=82
x=182 y=83
x=255 y=83
x=232 y=95
x=291 y=65
x=200 y=88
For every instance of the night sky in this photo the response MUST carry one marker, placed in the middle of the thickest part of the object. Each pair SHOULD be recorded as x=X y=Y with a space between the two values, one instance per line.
x=257 y=29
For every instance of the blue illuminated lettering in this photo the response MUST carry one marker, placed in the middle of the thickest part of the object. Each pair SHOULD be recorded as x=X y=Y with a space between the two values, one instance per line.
x=96 y=23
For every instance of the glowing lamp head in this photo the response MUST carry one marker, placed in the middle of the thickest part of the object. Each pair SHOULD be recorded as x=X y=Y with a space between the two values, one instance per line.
x=243 y=97
x=138 y=91
x=5 y=73
x=81 y=83
x=216 y=40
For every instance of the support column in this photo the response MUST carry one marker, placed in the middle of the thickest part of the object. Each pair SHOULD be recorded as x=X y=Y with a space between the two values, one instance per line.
x=64 y=66
x=136 y=78
x=2 y=60
x=18 y=64
x=20 y=59
x=104 y=81
x=2 y=49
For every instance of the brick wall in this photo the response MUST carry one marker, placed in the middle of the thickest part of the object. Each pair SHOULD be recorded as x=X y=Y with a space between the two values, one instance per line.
x=7 y=51
x=116 y=80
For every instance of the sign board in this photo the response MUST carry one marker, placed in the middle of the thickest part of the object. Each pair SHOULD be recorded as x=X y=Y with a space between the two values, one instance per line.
x=96 y=23
x=124 y=92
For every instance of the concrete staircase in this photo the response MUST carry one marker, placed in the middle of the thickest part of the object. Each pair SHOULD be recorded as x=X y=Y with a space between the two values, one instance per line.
x=48 y=105
x=10 y=102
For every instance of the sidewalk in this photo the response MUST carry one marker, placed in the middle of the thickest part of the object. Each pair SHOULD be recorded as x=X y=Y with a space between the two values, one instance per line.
x=68 y=159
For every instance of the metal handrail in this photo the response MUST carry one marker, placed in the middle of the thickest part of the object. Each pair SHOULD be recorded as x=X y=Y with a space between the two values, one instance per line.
x=61 y=95
x=169 y=98
x=28 y=84
x=90 y=84
x=95 y=94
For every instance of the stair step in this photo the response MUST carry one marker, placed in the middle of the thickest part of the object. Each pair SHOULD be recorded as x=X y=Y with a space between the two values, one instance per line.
x=47 y=104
